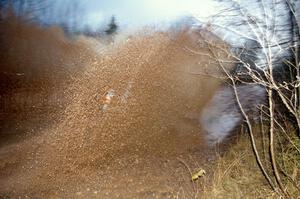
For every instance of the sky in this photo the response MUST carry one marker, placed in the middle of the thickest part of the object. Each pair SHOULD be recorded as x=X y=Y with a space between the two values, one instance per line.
x=140 y=12
x=129 y=13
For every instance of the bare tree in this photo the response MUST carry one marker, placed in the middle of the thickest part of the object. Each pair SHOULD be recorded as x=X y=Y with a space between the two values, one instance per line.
x=266 y=56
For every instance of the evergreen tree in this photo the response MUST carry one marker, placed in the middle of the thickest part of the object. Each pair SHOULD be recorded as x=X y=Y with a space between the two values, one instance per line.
x=112 y=26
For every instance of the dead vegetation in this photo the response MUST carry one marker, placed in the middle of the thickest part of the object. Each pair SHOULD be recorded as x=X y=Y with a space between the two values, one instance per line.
x=237 y=175
x=274 y=137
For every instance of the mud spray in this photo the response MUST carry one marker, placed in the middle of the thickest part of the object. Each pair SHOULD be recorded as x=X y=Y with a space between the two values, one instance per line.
x=81 y=119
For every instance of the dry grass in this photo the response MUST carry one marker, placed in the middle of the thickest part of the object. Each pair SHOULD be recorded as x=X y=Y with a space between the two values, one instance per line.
x=237 y=175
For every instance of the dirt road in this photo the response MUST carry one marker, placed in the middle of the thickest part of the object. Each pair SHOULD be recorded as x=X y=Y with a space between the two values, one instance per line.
x=81 y=121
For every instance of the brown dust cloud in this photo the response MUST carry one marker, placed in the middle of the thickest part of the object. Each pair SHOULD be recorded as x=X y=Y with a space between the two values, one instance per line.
x=81 y=118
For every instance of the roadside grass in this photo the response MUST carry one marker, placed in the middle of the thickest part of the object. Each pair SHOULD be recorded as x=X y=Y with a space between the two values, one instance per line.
x=235 y=173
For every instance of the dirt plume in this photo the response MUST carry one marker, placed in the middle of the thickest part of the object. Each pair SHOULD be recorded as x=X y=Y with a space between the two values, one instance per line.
x=111 y=123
